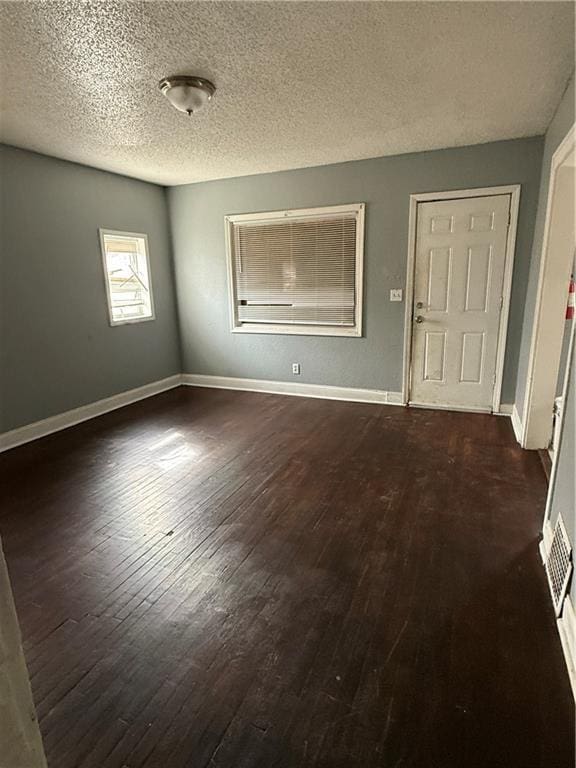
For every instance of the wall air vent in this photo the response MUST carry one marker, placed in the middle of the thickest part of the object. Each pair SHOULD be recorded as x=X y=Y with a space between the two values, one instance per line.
x=559 y=565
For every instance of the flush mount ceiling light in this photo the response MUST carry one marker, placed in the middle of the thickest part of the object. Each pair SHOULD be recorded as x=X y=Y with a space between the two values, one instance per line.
x=187 y=93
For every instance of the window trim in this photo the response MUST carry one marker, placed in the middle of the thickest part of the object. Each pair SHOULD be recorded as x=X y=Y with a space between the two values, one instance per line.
x=285 y=329
x=121 y=233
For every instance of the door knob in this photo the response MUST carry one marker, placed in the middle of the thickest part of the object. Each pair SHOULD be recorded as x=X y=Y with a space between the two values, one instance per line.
x=419 y=319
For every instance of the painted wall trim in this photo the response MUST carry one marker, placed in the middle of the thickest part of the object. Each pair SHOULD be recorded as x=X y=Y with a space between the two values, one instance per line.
x=513 y=190
x=567 y=630
x=287 y=329
x=85 y=412
x=60 y=421
x=517 y=424
x=546 y=543
x=568 y=373
x=567 y=622
x=292 y=388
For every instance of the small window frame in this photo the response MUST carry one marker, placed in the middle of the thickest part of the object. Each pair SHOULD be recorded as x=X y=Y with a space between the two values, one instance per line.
x=294 y=329
x=102 y=233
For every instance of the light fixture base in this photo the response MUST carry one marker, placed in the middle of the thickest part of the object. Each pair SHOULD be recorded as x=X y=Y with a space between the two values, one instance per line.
x=187 y=93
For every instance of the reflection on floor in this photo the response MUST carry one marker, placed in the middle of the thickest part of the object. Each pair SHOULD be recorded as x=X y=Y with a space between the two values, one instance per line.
x=211 y=578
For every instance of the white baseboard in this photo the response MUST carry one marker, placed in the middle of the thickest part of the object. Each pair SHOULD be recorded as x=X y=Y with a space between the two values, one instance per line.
x=517 y=424
x=546 y=543
x=567 y=630
x=567 y=622
x=61 y=421
x=505 y=410
x=293 y=388
x=69 y=418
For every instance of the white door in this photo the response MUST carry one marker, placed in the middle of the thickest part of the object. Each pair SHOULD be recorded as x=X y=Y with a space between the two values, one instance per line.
x=458 y=283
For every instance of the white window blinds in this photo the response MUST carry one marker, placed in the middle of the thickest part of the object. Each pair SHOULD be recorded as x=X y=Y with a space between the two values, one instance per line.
x=297 y=271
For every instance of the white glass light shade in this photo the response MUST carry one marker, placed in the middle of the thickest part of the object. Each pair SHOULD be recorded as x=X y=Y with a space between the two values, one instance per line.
x=187 y=94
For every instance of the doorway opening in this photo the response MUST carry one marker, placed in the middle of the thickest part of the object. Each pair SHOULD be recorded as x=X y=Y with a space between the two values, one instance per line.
x=549 y=336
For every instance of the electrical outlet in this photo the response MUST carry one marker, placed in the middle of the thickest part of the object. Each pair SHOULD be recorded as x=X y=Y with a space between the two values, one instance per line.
x=396 y=294
x=296 y=369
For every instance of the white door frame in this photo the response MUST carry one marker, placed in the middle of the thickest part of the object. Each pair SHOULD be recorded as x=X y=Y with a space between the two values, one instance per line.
x=555 y=265
x=568 y=373
x=425 y=197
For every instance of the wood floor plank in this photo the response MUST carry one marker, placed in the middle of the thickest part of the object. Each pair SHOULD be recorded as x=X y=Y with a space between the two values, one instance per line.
x=239 y=580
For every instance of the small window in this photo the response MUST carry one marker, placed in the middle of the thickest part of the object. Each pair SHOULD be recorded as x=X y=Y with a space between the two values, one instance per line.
x=297 y=272
x=127 y=274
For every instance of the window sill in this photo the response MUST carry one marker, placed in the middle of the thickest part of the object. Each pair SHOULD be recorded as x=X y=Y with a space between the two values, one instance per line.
x=132 y=321
x=298 y=330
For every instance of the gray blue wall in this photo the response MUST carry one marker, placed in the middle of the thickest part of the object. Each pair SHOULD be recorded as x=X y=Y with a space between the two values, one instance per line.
x=57 y=349
x=384 y=184
x=559 y=127
x=563 y=499
x=53 y=297
x=563 y=491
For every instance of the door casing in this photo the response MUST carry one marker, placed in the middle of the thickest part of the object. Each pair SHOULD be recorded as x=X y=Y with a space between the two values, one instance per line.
x=424 y=197
x=555 y=264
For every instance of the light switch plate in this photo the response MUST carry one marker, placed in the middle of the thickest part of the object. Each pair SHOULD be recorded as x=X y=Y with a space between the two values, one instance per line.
x=396 y=294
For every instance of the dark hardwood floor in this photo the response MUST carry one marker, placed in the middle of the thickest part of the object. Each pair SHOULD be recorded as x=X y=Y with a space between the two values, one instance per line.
x=235 y=580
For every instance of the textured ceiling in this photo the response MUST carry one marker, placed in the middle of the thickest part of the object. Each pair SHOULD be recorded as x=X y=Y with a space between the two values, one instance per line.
x=298 y=83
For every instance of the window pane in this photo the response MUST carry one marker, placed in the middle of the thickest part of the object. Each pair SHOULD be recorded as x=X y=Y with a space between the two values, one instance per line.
x=128 y=277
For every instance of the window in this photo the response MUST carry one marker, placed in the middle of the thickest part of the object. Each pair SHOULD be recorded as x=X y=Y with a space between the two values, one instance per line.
x=127 y=274
x=297 y=271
